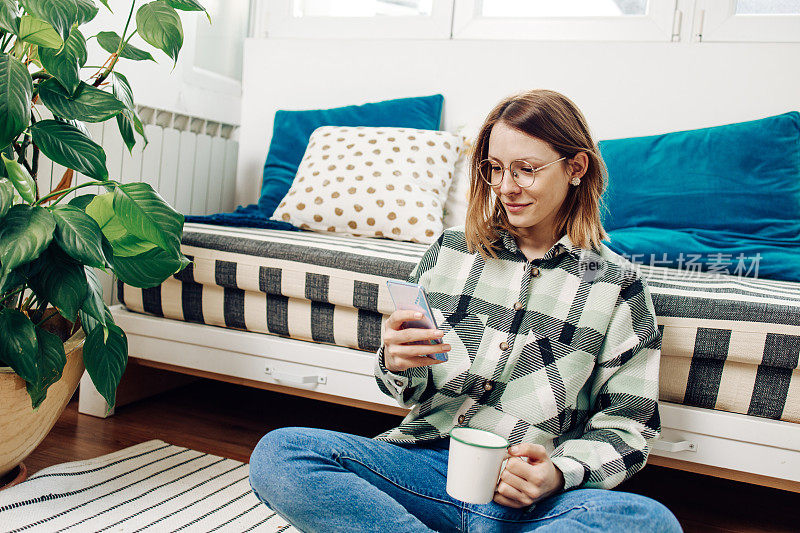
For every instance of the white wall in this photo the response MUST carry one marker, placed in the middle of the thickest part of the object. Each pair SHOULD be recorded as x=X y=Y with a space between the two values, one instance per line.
x=158 y=84
x=624 y=89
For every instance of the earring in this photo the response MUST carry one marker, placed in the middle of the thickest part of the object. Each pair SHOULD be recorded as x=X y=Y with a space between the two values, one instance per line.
x=575 y=181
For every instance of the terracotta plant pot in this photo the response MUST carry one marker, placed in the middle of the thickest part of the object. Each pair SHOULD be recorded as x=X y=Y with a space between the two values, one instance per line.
x=22 y=428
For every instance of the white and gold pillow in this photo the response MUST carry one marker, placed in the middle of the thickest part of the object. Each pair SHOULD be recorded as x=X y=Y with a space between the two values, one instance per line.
x=374 y=182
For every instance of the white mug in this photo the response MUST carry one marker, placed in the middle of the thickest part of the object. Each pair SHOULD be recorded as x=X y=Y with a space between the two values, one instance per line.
x=474 y=464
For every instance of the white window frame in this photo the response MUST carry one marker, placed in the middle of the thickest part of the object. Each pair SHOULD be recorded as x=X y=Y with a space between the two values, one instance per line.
x=200 y=77
x=717 y=21
x=658 y=24
x=276 y=19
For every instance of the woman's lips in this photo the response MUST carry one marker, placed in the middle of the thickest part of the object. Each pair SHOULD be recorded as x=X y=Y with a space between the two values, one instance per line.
x=514 y=208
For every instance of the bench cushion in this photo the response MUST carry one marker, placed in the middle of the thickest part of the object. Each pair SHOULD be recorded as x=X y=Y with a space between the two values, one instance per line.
x=729 y=343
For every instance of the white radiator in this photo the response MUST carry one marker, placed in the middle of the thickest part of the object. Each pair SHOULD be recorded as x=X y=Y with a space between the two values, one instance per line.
x=190 y=161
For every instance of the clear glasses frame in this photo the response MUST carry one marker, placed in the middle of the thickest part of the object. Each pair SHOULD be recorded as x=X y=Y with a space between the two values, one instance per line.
x=517 y=174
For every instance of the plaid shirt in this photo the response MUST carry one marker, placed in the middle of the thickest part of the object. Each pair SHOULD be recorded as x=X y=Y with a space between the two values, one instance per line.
x=561 y=351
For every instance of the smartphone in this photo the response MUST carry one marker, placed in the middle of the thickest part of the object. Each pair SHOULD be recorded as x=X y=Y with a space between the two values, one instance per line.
x=411 y=296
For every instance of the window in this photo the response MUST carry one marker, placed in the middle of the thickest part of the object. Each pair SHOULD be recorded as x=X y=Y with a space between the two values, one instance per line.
x=347 y=19
x=747 y=20
x=361 y=8
x=215 y=49
x=558 y=20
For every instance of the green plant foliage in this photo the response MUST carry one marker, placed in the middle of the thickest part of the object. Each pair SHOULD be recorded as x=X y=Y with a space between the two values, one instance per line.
x=109 y=41
x=22 y=181
x=79 y=235
x=61 y=282
x=9 y=16
x=18 y=344
x=88 y=104
x=6 y=196
x=16 y=90
x=149 y=268
x=159 y=25
x=50 y=248
x=25 y=233
x=35 y=31
x=128 y=120
x=60 y=14
x=65 y=64
x=49 y=360
x=68 y=146
x=105 y=354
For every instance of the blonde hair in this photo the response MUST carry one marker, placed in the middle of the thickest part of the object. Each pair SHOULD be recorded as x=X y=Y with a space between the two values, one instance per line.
x=555 y=119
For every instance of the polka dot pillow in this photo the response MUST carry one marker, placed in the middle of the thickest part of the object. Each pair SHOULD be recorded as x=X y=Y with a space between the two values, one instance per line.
x=373 y=182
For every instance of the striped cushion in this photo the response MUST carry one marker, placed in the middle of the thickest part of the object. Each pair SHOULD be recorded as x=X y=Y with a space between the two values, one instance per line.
x=729 y=343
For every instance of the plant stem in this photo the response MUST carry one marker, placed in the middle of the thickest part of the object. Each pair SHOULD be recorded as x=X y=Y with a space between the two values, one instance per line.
x=115 y=56
x=9 y=295
x=65 y=191
x=127 y=22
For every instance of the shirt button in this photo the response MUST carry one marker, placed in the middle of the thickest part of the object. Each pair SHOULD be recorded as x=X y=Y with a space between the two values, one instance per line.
x=504 y=345
x=398 y=382
x=461 y=419
x=534 y=272
x=488 y=385
x=518 y=306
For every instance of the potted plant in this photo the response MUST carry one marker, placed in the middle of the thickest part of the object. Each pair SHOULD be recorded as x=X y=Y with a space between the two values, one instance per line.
x=53 y=320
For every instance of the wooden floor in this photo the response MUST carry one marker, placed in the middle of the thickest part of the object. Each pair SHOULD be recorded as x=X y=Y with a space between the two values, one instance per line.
x=228 y=420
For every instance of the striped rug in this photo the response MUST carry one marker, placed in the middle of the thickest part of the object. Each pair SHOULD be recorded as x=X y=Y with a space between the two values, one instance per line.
x=153 y=486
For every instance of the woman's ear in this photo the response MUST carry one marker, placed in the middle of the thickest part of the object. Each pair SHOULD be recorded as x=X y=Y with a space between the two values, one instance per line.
x=578 y=165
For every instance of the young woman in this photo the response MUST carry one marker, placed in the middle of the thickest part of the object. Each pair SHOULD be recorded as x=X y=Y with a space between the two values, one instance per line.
x=552 y=342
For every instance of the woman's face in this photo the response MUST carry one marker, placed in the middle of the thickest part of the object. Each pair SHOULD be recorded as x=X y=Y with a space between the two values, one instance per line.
x=535 y=206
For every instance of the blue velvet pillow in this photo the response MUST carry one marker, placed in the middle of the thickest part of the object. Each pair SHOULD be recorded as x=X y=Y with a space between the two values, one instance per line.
x=726 y=189
x=292 y=130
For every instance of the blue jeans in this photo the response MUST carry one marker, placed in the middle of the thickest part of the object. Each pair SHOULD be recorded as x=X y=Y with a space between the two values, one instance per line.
x=321 y=480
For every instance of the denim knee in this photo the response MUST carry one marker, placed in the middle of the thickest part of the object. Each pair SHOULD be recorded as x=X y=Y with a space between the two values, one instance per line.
x=661 y=518
x=269 y=460
x=664 y=519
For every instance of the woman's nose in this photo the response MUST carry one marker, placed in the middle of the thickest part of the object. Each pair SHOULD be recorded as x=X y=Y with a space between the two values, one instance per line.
x=508 y=185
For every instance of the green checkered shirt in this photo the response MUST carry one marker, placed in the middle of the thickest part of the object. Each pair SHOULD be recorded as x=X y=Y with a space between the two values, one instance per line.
x=561 y=351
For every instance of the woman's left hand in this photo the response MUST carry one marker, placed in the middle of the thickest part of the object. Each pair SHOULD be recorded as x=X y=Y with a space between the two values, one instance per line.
x=528 y=477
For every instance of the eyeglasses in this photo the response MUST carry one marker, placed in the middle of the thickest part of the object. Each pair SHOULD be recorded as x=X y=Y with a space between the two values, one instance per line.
x=492 y=171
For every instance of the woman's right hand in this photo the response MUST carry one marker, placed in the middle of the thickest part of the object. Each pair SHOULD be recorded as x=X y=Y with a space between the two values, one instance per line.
x=398 y=355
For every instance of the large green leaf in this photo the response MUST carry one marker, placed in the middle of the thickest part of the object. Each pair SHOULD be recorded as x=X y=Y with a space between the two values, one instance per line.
x=93 y=305
x=79 y=235
x=65 y=64
x=123 y=243
x=105 y=356
x=186 y=5
x=128 y=120
x=109 y=41
x=148 y=269
x=86 y=11
x=62 y=282
x=147 y=215
x=89 y=104
x=60 y=14
x=18 y=345
x=24 y=234
x=189 y=5
x=16 y=89
x=68 y=146
x=50 y=362
x=39 y=32
x=6 y=196
x=89 y=323
x=9 y=16
x=159 y=24
x=82 y=201
x=19 y=176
